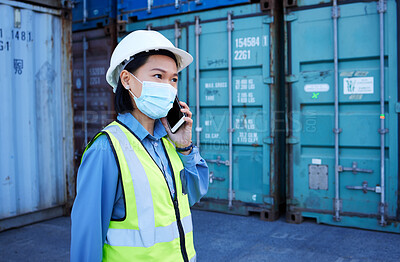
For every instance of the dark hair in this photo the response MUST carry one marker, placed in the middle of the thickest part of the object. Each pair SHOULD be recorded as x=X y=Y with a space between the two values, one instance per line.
x=123 y=102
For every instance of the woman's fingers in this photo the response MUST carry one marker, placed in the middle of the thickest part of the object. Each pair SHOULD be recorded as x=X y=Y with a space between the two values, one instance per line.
x=186 y=109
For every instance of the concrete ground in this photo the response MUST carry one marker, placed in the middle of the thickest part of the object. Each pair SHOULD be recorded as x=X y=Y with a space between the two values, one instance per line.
x=222 y=237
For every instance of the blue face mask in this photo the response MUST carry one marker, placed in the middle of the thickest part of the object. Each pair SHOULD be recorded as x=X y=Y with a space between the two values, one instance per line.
x=156 y=99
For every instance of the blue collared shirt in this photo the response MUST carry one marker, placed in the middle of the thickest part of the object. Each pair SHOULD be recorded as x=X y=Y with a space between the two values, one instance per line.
x=99 y=191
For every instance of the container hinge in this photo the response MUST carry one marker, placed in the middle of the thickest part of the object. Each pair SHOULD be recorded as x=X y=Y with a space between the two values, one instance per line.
x=381 y=6
x=269 y=140
x=397 y=109
x=291 y=3
x=266 y=5
x=214 y=178
x=198 y=129
x=354 y=169
x=290 y=17
x=291 y=78
x=268 y=20
x=199 y=2
x=218 y=161
x=365 y=188
x=383 y=130
x=335 y=12
x=268 y=80
x=292 y=140
x=231 y=130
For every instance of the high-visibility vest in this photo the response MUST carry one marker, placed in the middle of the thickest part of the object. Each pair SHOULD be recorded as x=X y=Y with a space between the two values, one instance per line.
x=156 y=227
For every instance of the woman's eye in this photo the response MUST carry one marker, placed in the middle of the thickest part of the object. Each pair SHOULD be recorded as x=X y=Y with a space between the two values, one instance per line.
x=158 y=76
x=175 y=80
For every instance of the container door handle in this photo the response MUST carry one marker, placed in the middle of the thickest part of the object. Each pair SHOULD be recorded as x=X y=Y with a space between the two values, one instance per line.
x=355 y=169
x=214 y=178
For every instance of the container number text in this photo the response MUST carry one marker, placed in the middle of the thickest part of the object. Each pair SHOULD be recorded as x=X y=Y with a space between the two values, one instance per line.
x=247 y=41
x=242 y=54
x=21 y=35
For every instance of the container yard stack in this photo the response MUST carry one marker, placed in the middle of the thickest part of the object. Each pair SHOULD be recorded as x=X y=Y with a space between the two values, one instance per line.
x=36 y=153
x=233 y=89
x=94 y=38
x=342 y=111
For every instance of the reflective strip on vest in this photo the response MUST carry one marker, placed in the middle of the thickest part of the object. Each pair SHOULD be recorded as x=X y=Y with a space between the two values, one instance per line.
x=147 y=235
x=132 y=238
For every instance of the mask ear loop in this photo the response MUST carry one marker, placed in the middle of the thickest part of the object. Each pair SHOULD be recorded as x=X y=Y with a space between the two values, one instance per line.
x=129 y=90
x=127 y=87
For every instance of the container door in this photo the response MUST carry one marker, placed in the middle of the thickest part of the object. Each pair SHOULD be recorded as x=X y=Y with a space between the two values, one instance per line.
x=251 y=115
x=312 y=171
x=36 y=114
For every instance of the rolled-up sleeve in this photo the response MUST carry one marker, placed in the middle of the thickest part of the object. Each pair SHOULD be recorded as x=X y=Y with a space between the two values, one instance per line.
x=195 y=175
x=91 y=213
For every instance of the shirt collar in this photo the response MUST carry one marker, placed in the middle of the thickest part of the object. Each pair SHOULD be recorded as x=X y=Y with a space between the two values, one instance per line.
x=131 y=122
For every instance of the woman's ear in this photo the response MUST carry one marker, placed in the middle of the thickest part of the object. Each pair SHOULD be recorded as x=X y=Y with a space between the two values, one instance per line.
x=125 y=77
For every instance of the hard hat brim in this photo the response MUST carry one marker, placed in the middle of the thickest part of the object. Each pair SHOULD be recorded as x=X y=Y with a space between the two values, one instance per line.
x=183 y=58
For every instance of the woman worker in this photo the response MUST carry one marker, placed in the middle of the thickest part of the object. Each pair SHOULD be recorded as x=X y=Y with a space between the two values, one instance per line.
x=137 y=179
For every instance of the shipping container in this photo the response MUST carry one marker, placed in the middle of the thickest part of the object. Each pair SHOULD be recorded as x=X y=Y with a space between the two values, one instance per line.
x=136 y=10
x=36 y=138
x=91 y=14
x=342 y=104
x=93 y=96
x=232 y=90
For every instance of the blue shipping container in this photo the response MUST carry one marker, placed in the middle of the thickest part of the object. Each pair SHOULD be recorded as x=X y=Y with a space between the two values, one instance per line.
x=91 y=14
x=244 y=170
x=135 y=10
x=36 y=133
x=352 y=178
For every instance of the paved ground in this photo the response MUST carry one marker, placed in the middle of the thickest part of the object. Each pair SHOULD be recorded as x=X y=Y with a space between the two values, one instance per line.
x=221 y=237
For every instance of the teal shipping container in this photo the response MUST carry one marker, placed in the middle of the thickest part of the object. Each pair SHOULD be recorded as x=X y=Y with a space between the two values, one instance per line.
x=342 y=114
x=231 y=89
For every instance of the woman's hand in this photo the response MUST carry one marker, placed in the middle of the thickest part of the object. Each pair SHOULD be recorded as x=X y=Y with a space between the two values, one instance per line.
x=183 y=137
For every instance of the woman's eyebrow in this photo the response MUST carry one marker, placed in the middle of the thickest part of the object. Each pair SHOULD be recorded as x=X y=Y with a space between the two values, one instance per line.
x=161 y=70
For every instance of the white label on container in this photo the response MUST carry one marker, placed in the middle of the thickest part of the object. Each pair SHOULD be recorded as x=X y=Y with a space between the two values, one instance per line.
x=358 y=85
x=316 y=88
x=316 y=161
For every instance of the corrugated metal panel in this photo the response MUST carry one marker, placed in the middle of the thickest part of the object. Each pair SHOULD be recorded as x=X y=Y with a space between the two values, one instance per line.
x=91 y=14
x=36 y=152
x=99 y=109
x=311 y=176
x=255 y=161
x=136 y=10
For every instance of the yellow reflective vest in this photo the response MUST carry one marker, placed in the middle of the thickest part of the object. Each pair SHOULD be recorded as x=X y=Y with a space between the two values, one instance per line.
x=157 y=227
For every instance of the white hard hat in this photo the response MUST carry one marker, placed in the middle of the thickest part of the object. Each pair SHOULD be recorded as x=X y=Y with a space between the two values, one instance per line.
x=140 y=41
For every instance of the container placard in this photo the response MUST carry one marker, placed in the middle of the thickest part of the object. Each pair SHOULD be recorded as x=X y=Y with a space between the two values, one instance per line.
x=316 y=88
x=358 y=85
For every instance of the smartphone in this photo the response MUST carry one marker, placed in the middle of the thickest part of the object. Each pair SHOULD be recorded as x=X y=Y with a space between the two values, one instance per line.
x=175 y=117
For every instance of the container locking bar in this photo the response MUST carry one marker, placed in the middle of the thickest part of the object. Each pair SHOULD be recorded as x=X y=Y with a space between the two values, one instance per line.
x=214 y=178
x=149 y=6
x=365 y=188
x=336 y=130
x=355 y=169
x=197 y=33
